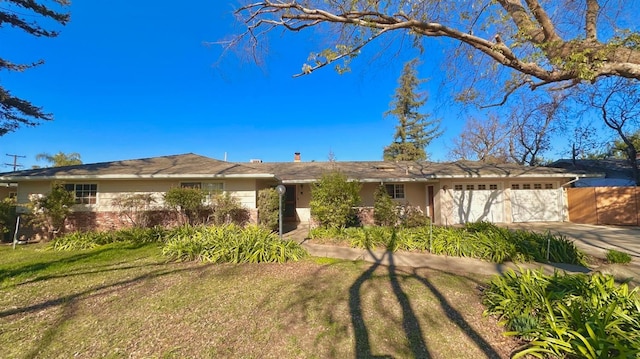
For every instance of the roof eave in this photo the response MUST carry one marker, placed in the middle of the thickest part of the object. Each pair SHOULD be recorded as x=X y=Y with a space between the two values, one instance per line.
x=130 y=177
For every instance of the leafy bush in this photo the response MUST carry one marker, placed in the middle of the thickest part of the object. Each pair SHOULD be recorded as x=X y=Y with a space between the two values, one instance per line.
x=135 y=207
x=226 y=209
x=333 y=199
x=7 y=216
x=268 y=207
x=567 y=315
x=384 y=209
x=52 y=210
x=231 y=244
x=187 y=202
x=614 y=256
x=412 y=216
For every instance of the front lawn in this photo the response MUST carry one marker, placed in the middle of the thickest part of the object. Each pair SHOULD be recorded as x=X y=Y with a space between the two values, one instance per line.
x=126 y=300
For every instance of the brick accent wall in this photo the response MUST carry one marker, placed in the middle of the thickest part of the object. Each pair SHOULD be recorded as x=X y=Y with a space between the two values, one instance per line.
x=108 y=221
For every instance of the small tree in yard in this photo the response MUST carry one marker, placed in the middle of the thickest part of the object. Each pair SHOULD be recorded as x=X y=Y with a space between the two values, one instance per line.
x=384 y=209
x=52 y=210
x=333 y=198
x=187 y=202
x=268 y=208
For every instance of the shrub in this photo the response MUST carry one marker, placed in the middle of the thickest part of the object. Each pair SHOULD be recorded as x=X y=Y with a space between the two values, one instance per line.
x=231 y=244
x=226 y=209
x=135 y=207
x=615 y=256
x=268 y=208
x=52 y=210
x=333 y=199
x=384 y=209
x=7 y=216
x=187 y=202
x=412 y=216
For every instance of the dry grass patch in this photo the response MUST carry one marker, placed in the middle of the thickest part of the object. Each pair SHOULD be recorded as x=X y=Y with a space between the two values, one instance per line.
x=128 y=302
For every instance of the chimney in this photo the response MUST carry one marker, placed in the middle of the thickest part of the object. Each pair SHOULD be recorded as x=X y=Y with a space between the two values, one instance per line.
x=296 y=157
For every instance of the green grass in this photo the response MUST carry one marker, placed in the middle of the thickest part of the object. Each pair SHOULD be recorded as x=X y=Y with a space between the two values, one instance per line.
x=122 y=300
x=615 y=256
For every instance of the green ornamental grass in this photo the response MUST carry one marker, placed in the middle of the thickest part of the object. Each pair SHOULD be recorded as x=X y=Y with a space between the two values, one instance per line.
x=568 y=316
x=480 y=240
x=218 y=244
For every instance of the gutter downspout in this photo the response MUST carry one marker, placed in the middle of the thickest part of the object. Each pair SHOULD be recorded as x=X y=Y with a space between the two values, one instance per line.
x=570 y=182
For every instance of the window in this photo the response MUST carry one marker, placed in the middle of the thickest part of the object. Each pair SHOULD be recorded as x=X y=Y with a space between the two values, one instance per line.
x=457 y=187
x=482 y=187
x=396 y=191
x=548 y=186
x=197 y=185
x=13 y=195
x=515 y=186
x=213 y=186
x=85 y=193
x=470 y=187
x=206 y=186
x=537 y=186
x=493 y=186
x=526 y=186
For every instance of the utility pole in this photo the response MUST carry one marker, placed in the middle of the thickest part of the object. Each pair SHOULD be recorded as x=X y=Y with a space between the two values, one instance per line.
x=15 y=161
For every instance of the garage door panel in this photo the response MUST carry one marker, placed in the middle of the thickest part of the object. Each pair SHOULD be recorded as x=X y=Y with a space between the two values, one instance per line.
x=479 y=205
x=536 y=205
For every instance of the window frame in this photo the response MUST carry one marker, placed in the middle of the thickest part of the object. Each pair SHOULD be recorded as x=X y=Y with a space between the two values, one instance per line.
x=83 y=195
x=395 y=190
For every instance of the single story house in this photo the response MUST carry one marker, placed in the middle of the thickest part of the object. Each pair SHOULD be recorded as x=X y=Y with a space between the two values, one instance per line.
x=449 y=193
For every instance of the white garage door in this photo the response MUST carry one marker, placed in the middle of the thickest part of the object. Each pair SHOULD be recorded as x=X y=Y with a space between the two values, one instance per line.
x=477 y=205
x=536 y=205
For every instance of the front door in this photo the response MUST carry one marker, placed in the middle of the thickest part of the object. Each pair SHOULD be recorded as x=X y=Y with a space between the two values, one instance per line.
x=289 y=214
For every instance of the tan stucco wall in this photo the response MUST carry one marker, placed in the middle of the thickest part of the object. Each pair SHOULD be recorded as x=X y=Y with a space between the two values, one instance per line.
x=415 y=194
x=243 y=189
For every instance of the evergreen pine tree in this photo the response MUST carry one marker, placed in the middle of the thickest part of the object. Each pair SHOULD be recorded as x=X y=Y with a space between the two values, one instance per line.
x=415 y=130
x=14 y=111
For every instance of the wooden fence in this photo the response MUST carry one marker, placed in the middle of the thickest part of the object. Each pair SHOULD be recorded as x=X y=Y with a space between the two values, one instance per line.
x=604 y=205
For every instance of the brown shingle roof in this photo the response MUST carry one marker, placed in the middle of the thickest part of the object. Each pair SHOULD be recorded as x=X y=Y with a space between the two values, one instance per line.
x=373 y=171
x=186 y=165
x=194 y=166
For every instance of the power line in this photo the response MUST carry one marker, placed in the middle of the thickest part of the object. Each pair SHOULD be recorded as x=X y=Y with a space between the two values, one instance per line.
x=15 y=163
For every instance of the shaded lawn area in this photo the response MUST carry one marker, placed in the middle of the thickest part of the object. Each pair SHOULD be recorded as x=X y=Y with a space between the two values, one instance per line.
x=125 y=301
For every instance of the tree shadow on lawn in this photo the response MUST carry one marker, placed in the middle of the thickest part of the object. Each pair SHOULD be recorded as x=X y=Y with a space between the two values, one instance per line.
x=109 y=268
x=410 y=323
x=45 y=264
x=69 y=304
x=413 y=341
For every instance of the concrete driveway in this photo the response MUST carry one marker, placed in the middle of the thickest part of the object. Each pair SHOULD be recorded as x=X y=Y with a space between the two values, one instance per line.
x=596 y=240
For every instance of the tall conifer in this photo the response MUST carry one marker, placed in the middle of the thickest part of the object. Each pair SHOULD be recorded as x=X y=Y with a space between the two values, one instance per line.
x=415 y=130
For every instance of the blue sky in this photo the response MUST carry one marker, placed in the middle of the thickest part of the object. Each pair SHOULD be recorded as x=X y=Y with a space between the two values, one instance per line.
x=135 y=79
